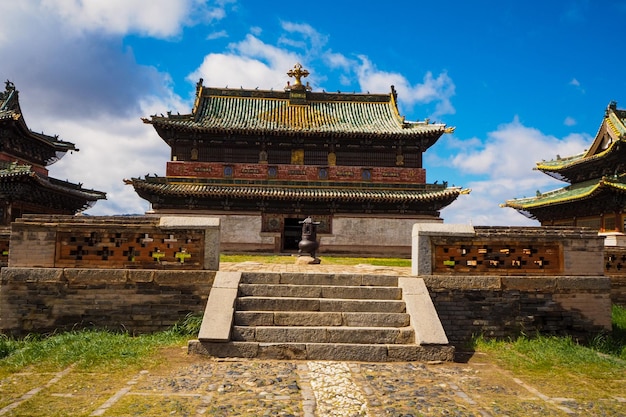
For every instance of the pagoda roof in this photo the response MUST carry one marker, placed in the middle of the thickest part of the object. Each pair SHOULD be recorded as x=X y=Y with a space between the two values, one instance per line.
x=605 y=153
x=297 y=111
x=573 y=194
x=14 y=172
x=170 y=187
x=10 y=112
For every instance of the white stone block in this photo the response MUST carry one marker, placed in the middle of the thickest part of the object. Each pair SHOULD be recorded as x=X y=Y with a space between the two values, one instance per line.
x=424 y=318
x=421 y=247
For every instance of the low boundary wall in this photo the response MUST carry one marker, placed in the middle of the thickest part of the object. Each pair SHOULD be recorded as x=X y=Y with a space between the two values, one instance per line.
x=40 y=300
x=504 y=281
x=506 y=307
x=134 y=242
x=135 y=273
x=572 y=297
x=615 y=266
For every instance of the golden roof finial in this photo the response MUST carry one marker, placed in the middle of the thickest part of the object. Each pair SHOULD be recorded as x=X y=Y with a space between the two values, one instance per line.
x=297 y=72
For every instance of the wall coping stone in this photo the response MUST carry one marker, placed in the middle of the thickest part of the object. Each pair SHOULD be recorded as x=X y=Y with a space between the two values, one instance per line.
x=515 y=282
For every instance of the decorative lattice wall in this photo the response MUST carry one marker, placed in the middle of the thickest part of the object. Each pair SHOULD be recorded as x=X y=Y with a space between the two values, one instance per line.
x=488 y=258
x=181 y=249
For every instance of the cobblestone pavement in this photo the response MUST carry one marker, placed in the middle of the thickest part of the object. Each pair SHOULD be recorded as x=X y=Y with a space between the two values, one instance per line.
x=188 y=385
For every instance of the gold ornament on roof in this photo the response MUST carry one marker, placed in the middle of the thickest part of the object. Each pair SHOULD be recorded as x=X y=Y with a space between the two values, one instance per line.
x=297 y=72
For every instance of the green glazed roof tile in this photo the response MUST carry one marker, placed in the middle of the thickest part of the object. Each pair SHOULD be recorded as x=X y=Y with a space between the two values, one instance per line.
x=322 y=113
x=579 y=191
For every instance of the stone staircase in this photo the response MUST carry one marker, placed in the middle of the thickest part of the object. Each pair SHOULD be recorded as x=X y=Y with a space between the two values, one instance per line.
x=372 y=318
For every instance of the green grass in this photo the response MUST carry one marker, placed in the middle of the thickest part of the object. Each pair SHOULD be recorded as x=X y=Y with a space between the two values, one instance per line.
x=89 y=349
x=329 y=260
x=615 y=342
x=603 y=358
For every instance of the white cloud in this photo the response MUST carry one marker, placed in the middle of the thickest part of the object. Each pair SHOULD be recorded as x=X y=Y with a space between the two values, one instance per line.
x=158 y=18
x=575 y=83
x=513 y=149
x=310 y=40
x=335 y=60
x=114 y=148
x=504 y=164
x=250 y=64
x=89 y=91
x=569 y=121
x=438 y=89
x=217 y=35
x=75 y=76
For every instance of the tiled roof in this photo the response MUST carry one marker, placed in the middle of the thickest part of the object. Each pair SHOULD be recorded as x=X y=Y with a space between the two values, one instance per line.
x=9 y=105
x=10 y=110
x=19 y=172
x=574 y=192
x=615 y=121
x=173 y=189
x=270 y=112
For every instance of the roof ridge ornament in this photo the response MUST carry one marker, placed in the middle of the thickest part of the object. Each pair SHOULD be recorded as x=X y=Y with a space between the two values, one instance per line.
x=297 y=72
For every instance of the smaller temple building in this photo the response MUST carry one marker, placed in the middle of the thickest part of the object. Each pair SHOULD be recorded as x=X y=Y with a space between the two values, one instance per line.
x=596 y=194
x=263 y=161
x=25 y=187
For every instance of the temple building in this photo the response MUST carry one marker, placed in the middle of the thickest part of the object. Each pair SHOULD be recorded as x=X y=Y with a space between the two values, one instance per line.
x=596 y=194
x=25 y=187
x=264 y=160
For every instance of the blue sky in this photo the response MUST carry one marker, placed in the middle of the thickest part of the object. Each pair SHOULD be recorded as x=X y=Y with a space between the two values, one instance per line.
x=520 y=81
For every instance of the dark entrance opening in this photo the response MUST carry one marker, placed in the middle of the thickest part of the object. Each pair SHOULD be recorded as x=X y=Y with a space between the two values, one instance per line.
x=292 y=234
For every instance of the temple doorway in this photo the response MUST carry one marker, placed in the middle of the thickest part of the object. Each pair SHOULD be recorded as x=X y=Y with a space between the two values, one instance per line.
x=292 y=233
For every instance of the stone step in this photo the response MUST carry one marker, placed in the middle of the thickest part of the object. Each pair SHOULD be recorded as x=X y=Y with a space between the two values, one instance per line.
x=351 y=280
x=315 y=318
x=319 y=334
x=324 y=351
x=318 y=304
x=320 y=291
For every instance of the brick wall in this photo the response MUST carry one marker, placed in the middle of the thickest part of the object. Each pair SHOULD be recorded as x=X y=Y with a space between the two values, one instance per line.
x=139 y=301
x=503 y=307
x=464 y=249
x=138 y=242
x=615 y=267
x=215 y=170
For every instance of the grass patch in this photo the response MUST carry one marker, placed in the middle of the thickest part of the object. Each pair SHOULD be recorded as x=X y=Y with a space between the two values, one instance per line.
x=615 y=342
x=90 y=349
x=604 y=359
x=329 y=260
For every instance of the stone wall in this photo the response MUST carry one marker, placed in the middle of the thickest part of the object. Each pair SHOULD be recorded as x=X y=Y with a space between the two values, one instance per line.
x=505 y=281
x=44 y=300
x=355 y=235
x=463 y=249
x=615 y=267
x=507 y=306
x=137 y=242
x=371 y=235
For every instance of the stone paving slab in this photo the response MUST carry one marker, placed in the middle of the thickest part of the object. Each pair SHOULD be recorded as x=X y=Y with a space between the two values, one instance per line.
x=190 y=385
